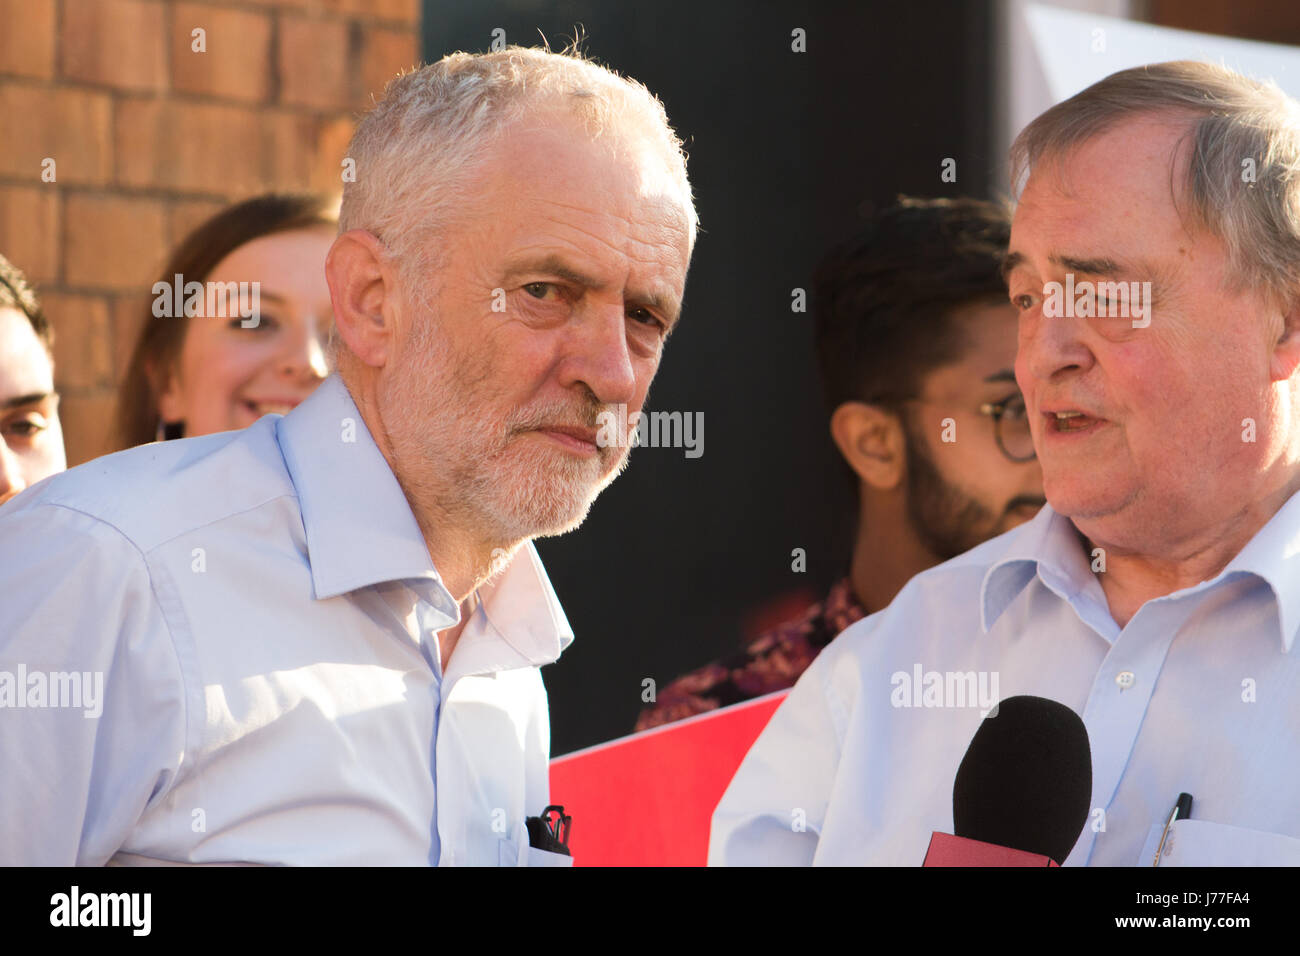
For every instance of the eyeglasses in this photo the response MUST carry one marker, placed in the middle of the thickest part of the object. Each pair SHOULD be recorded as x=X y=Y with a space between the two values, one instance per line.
x=1010 y=423
x=1011 y=427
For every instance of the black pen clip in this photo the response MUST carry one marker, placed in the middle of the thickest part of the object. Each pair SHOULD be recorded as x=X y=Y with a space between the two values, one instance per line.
x=550 y=833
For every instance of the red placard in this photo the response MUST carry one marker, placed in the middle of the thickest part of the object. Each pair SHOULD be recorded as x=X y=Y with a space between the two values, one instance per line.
x=647 y=799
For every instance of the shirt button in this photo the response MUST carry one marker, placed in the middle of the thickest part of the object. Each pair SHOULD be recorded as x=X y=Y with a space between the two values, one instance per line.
x=1125 y=679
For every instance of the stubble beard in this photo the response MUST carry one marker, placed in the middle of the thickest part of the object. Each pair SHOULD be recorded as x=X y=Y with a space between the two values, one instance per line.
x=947 y=521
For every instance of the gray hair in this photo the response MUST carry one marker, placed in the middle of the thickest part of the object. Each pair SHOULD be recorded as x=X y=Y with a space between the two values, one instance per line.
x=417 y=151
x=1235 y=123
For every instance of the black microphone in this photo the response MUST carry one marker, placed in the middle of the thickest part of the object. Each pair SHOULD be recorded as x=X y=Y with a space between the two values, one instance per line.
x=1024 y=785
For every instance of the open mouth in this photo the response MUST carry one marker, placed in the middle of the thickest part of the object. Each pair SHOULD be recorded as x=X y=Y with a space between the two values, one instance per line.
x=1070 y=421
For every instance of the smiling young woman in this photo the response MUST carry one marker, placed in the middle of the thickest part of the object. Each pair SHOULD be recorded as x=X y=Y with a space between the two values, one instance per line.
x=194 y=375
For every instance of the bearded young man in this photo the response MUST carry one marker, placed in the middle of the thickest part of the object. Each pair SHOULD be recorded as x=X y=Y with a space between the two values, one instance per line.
x=913 y=331
x=318 y=640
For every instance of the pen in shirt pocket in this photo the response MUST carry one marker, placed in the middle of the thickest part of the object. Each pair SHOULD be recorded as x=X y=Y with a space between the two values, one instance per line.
x=1181 y=811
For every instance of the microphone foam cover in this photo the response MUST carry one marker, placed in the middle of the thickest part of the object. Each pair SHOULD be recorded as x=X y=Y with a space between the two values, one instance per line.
x=1026 y=780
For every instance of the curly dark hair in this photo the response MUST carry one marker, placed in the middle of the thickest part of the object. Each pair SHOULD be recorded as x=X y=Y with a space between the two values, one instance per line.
x=15 y=293
x=884 y=300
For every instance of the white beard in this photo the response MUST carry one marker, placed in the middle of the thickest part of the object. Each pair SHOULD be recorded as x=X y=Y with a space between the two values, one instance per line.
x=504 y=483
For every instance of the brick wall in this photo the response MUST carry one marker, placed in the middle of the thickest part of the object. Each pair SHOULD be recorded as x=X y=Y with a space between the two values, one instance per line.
x=148 y=137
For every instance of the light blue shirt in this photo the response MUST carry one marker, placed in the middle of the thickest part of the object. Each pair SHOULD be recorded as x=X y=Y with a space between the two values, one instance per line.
x=260 y=611
x=1199 y=692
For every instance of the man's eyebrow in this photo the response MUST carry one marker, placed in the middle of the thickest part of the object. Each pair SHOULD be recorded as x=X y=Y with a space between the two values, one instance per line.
x=554 y=265
x=1010 y=262
x=1100 y=266
x=20 y=400
x=1005 y=375
x=1094 y=267
x=1114 y=269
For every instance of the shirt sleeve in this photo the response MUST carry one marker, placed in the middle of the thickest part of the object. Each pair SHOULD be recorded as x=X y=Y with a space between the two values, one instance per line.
x=92 y=706
x=774 y=808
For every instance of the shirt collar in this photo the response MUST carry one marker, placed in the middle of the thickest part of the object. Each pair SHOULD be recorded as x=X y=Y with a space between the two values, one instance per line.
x=1047 y=540
x=356 y=540
x=360 y=529
x=522 y=606
x=1050 y=547
x=1274 y=555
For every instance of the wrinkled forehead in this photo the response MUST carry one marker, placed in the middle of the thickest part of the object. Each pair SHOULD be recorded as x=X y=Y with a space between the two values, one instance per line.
x=616 y=193
x=1134 y=170
x=1114 y=204
x=631 y=150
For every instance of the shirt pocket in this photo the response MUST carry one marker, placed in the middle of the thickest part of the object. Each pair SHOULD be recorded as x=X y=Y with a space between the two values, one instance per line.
x=1202 y=843
x=513 y=854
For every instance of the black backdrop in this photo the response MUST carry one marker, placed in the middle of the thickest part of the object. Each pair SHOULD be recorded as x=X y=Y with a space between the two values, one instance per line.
x=785 y=151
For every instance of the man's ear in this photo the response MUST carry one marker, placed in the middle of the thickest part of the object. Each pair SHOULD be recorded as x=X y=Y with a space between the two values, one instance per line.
x=871 y=440
x=363 y=291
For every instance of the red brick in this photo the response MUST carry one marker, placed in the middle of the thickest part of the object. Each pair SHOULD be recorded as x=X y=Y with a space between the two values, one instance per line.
x=384 y=54
x=313 y=61
x=87 y=424
x=398 y=11
x=82 y=342
x=27 y=37
x=236 y=63
x=331 y=147
x=191 y=147
x=117 y=43
x=69 y=126
x=306 y=6
x=29 y=230
x=113 y=243
x=291 y=148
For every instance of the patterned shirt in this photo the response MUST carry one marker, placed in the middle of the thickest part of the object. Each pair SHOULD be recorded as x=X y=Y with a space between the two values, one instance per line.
x=771 y=662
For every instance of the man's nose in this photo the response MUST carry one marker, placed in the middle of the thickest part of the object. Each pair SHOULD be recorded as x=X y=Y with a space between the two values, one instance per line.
x=598 y=356
x=11 y=476
x=1051 y=346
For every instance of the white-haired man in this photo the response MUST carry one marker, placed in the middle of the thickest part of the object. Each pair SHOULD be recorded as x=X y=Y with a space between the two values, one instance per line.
x=1158 y=594
x=318 y=640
